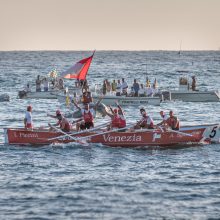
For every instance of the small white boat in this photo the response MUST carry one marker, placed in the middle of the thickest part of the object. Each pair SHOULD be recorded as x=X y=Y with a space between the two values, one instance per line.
x=38 y=95
x=186 y=94
x=195 y=96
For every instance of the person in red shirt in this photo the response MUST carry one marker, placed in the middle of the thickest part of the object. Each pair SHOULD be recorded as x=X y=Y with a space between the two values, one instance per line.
x=117 y=118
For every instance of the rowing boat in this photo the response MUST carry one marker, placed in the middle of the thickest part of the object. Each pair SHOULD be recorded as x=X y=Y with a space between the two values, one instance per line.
x=142 y=137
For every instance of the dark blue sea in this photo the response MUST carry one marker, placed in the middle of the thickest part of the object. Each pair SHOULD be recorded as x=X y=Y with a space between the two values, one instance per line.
x=98 y=182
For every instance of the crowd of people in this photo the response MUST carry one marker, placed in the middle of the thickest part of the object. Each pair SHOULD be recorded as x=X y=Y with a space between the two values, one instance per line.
x=121 y=88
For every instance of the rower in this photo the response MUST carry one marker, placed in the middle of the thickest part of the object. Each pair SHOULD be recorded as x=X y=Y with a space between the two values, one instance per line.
x=164 y=118
x=145 y=122
x=173 y=121
x=115 y=119
x=87 y=118
x=28 y=123
x=62 y=121
x=122 y=121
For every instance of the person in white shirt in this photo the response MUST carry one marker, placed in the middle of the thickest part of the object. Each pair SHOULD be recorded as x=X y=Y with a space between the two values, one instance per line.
x=28 y=122
x=149 y=92
x=142 y=91
x=164 y=118
x=124 y=87
x=46 y=85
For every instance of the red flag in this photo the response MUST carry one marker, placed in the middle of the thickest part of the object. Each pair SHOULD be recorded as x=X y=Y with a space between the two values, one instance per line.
x=79 y=70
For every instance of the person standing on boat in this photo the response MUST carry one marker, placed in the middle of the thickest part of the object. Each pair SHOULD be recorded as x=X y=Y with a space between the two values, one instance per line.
x=193 y=83
x=38 y=84
x=136 y=88
x=62 y=121
x=118 y=88
x=147 y=82
x=173 y=121
x=145 y=122
x=104 y=87
x=28 y=122
x=46 y=84
x=114 y=84
x=142 y=92
x=124 y=87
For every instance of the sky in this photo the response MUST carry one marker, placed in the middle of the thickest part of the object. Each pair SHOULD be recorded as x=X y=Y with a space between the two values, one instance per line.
x=109 y=25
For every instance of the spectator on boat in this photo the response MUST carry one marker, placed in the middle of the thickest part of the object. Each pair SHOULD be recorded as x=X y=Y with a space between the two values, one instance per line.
x=28 y=122
x=85 y=85
x=145 y=122
x=62 y=121
x=147 y=82
x=164 y=118
x=60 y=84
x=27 y=88
x=118 y=88
x=142 y=92
x=108 y=86
x=155 y=84
x=38 y=84
x=104 y=87
x=124 y=87
x=173 y=121
x=46 y=84
x=149 y=91
x=87 y=97
x=193 y=83
x=136 y=87
x=114 y=84
x=132 y=92
x=77 y=83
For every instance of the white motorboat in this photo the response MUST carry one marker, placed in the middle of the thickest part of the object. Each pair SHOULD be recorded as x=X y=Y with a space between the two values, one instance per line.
x=195 y=96
x=186 y=94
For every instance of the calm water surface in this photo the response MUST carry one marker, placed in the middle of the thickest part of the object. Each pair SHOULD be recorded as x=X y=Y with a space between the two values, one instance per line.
x=98 y=182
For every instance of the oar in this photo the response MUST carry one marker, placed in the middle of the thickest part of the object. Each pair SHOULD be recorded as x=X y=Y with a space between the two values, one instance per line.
x=81 y=132
x=73 y=138
x=179 y=132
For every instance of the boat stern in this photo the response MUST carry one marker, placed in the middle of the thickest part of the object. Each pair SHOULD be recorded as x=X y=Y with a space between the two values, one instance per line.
x=6 y=135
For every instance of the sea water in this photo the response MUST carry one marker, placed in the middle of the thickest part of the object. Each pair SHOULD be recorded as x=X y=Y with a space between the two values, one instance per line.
x=98 y=182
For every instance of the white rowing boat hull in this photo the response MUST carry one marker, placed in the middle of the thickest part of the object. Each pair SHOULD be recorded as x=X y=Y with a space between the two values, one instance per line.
x=196 y=96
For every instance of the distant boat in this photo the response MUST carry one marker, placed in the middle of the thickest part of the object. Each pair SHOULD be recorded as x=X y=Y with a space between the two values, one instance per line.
x=186 y=94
